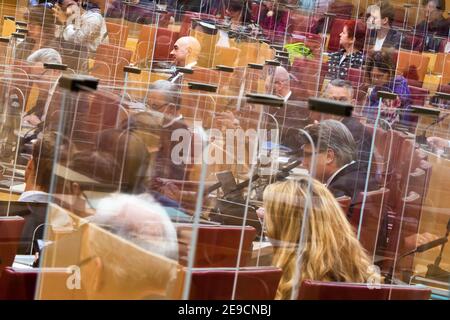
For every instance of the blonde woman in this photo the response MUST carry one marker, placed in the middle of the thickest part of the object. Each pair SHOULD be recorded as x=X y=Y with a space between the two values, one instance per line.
x=331 y=251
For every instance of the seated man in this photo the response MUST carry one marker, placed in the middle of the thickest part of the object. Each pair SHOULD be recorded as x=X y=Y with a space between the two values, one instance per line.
x=336 y=164
x=83 y=23
x=185 y=52
x=163 y=98
x=342 y=90
x=290 y=117
x=40 y=167
x=434 y=22
x=36 y=61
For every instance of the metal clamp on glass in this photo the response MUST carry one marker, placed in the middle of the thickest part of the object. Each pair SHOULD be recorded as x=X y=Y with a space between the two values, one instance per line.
x=20 y=30
x=442 y=95
x=256 y=66
x=265 y=99
x=132 y=69
x=4 y=40
x=276 y=47
x=282 y=53
x=185 y=70
x=78 y=82
x=9 y=18
x=18 y=35
x=386 y=95
x=425 y=111
x=22 y=23
x=202 y=86
x=55 y=66
x=225 y=68
x=273 y=63
x=329 y=14
x=330 y=107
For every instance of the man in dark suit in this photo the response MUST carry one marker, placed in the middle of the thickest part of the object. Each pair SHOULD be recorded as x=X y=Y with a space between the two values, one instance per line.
x=335 y=163
x=293 y=115
x=163 y=98
x=380 y=22
x=434 y=24
x=342 y=90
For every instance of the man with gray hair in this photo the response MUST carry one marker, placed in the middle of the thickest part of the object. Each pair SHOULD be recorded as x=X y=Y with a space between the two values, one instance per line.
x=335 y=164
x=141 y=221
x=342 y=91
x=45 y=55
x=45 y=79
x=163 y=97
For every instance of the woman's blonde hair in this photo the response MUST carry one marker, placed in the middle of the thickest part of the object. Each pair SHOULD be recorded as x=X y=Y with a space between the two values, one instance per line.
x=331 y=251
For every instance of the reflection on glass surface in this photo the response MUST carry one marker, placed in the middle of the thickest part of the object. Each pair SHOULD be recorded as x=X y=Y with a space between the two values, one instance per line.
x=225 y=149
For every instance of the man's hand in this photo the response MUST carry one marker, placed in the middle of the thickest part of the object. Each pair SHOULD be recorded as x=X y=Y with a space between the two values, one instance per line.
x=227 y=120
x=59 y=14
x=32 y=119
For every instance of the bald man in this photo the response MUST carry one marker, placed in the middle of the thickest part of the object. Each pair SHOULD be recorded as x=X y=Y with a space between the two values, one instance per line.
x=185 y=52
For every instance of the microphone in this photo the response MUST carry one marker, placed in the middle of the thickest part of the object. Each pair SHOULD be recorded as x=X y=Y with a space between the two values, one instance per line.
x=431 y=244
x=424 y=247
x=434 y=271
x=285 y=171
x=422 y=139
x=243 y=184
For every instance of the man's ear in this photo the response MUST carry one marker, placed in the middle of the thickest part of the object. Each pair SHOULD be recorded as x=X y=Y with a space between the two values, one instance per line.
x=385 y=20
x=330 y=156
x=172 y=108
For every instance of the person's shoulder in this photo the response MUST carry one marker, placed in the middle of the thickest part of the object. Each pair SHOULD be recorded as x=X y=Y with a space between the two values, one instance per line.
x=336 y=54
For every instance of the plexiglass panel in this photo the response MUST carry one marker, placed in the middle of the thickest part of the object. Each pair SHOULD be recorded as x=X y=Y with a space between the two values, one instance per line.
x=224 y=149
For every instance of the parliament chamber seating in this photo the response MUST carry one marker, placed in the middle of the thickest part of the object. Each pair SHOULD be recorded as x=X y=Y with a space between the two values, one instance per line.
x=318 y=290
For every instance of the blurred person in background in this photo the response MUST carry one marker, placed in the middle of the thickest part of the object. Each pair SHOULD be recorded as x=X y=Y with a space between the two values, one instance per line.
x=143 y=223
x=351 y=40
x=163 y=97
x=83 y=23
x=381 y=74
x=382 y=35
x=434 y=23
x=45 y=79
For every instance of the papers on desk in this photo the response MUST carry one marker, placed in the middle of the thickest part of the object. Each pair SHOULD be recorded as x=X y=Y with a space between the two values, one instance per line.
x=18 y=188
x=262 y=248
x=23 y=261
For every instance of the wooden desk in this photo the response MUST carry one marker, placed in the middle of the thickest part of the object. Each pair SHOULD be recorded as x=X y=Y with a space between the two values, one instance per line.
x=7 y=195
x=436 y=212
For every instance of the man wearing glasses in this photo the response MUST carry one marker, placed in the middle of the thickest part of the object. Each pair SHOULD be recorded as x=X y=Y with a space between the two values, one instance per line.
x=163 y=98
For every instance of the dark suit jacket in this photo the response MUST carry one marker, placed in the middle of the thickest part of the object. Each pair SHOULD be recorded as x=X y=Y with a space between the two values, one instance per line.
x=363 y=139
x=439 y=27
x=290 y=117
x=351 y=181
x=392 y=39
x=165 y=167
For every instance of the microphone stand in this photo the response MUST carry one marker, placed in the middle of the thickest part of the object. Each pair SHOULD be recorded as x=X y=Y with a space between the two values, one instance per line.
x=434 y=271
x=422 y=139
x=422 y=248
